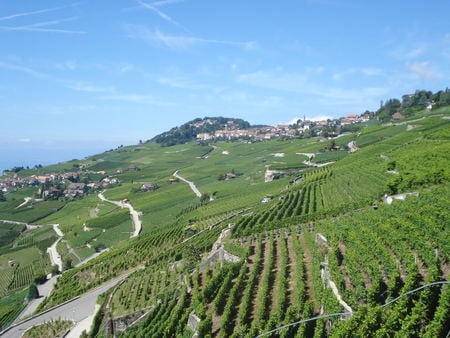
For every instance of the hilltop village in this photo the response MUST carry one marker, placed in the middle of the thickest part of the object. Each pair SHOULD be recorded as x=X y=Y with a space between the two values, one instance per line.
x=305 y=128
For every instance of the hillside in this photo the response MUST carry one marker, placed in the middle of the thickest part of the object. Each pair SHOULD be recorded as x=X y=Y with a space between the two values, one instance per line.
x=235 y=239
x=188 y=132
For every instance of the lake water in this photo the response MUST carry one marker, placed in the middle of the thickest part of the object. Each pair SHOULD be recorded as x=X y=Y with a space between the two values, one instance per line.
x=10 y=158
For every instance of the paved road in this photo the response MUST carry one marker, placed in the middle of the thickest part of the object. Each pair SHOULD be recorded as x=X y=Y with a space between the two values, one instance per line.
x=76 y=310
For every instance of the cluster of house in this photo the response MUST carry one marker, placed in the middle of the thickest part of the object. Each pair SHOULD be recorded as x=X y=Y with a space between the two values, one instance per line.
x=56 y=185
x=289 y=130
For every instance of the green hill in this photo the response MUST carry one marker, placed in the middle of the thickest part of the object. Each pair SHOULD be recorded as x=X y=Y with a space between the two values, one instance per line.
x=370 y=226
x=189 y=131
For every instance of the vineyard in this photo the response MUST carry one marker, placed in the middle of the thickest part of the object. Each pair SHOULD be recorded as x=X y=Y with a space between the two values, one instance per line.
x=250 y=256
x=22 y=263
x=279 y=280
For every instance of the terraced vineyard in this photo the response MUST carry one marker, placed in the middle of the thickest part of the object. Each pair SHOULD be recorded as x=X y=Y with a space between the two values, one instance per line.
x=251 y=257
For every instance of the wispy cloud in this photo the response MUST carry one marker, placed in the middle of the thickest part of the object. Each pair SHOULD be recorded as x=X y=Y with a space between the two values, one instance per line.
x=66 y=65
x=180 y=82
x=24 y=140
x=82 y=86
x=136 y=98
x=43 y=25
x=37 y=27
x=310 y=118
x=41 y=11
x=303 y=83
x=127 y=68
x=274 y=79
x=365 y=71
x=422 y=70
x=22 y=69
x=153 y=7
x=445 y=46
x=179 y=41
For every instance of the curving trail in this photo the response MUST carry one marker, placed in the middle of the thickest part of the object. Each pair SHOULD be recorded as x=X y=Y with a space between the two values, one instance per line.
x=55 y=257
x=134 y=214
x=191 y=184
x=26 y=200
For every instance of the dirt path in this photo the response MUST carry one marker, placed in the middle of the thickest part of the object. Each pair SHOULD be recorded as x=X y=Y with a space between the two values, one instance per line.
x=55 y=257
x=332 y=285
x=326 y=278
x=137 y=224
x=26 y=200
x=28 y=226
x=191 y=184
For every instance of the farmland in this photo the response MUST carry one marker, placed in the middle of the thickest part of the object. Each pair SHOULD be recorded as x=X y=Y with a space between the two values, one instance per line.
x=292 y=237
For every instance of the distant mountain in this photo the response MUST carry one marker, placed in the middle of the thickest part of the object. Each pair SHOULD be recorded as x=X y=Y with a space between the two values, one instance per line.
x=189 y=131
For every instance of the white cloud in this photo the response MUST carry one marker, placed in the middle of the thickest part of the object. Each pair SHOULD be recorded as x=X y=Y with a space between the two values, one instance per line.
x=77 y=85
x=180 y=82
x=422 y=70
x=22 y=69
x=136 y=98
x=24 y=140
x=278 y=80
x=83 y=86
x=315 y=70
x=179 y=41
x=127 y=68
x=445 y=45
x=17 y=15
x=314 y=89
x=311 y=118
x=37 y=27
x=66 y=65
x=365 y=71
x=153 y=7
x=415 y=53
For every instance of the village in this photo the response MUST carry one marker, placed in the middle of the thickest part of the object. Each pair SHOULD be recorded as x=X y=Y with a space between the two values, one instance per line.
x=69 y=185
x=326 y=128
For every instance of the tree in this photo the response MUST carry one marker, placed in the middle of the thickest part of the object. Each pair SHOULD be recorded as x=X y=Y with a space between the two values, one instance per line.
x=192 y=256
x=33 y=292
x=331 y=145
x=2 y=196
x=67 y=263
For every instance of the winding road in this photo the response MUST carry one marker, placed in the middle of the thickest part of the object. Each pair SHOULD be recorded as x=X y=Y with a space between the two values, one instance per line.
x=191 y=184
x=137 y=224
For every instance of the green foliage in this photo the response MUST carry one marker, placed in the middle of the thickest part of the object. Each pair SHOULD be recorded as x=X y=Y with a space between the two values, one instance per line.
x=11 y=307
x=53 y=328
x=188 y=131
x=33 y=292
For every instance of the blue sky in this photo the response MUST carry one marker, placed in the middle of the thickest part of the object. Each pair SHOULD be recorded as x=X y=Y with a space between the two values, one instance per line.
x=94 y=74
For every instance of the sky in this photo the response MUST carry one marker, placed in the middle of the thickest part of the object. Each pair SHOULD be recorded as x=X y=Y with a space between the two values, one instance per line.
x=87 y=76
